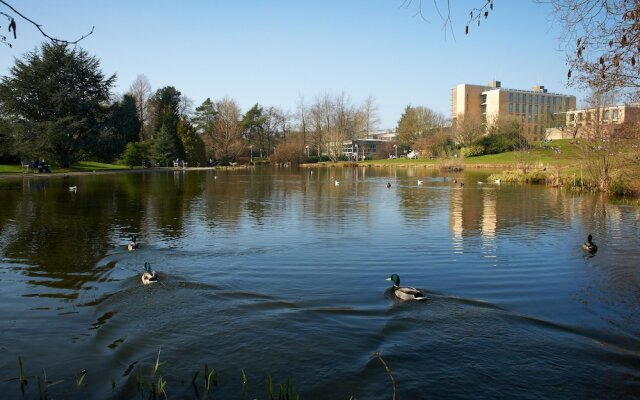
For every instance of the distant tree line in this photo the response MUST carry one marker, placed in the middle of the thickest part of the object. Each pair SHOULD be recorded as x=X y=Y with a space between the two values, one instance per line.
x=56 y=103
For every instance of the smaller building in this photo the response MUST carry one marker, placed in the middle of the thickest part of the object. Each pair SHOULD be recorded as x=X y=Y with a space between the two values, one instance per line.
x=577 y=123
x=361 y=149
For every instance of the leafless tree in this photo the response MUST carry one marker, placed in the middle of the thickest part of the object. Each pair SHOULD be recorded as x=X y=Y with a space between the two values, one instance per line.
x=302 y=116
x=468 y=130
x=186 y=107
x=600 y=143
x=226 y=138
x=140 y=89
x=369 y=112
x=601 y=39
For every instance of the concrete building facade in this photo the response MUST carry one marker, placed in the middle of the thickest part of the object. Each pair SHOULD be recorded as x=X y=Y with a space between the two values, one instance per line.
x=580 y=123
x=535 y=108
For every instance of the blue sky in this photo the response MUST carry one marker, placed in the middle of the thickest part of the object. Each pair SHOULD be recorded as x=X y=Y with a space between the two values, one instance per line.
x=273 y=52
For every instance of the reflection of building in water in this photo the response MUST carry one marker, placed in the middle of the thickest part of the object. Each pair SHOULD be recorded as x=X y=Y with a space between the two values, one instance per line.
x=455 y=219
x=471 y=215
x=489 y=220
x=489 y=223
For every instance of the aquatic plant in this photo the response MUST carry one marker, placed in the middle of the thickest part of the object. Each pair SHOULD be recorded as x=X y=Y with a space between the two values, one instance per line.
x=155 y=386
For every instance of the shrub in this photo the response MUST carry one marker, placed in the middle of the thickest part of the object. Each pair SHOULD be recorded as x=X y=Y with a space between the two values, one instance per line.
x=292 y=152
x=472 y=151
x=500 y=143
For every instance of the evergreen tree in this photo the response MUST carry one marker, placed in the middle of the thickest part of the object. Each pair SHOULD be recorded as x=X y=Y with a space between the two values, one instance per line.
x=192 y=143
x=165 y=113
x=164 y=149
x=58 y=95
x=252 y=125
x=122 y=127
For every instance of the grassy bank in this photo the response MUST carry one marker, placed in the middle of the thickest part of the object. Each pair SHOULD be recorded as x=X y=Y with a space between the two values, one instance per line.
x=82 y=166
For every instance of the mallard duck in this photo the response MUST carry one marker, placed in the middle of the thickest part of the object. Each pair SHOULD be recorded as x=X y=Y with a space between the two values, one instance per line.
x=589 y=245
x=149 y=275
x=388 y=185
x=405 y=293
x=133 y=244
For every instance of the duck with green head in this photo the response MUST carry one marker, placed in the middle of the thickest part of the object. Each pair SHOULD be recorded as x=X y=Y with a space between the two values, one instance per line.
x=405 y=293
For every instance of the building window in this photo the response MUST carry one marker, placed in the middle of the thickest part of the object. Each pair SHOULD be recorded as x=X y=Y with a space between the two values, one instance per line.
x=536 y=109
x=537 y=99
x=615 y=115
x=530 y=107
x=510 y=97
x=535 y=119
x=517 y=97
x=554 y=100
x=606 y=115
x=510 y=108
x=517 y=107
x=530 y=99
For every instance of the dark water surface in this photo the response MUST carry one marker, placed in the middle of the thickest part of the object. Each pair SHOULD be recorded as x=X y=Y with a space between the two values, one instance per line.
x=280 y=272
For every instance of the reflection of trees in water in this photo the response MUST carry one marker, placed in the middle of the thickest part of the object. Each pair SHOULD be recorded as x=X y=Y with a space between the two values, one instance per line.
x=64 y=235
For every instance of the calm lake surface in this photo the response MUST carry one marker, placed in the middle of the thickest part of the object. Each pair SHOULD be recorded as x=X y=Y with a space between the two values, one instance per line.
x=280 y=272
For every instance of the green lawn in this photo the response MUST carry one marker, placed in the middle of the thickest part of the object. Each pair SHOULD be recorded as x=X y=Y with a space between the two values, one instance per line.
x=569 y=155
x=80 y=166
x=96 y=166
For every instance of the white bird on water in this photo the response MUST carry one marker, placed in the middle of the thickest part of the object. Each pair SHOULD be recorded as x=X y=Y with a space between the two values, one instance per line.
x=336 y=182
x=73 y=188
x=419 y=182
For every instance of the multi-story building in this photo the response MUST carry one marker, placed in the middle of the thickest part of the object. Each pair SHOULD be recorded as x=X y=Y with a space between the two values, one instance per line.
x=535 y=108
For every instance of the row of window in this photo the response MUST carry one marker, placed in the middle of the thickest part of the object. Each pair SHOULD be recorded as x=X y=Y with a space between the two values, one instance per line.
x=590 y=115
x=537 y=109
x=538 y=99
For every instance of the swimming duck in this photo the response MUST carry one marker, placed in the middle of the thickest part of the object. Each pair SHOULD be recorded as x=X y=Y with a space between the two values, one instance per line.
x=388 y=185
x=419 y=182
x=73 y=188
x=149 y=275
x=589 y=245
x=405 y=293
x=497 y=181
x=133 y=245
x=336 y=182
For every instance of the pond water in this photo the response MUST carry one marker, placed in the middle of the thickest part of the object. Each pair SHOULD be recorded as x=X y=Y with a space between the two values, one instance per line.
x=281 y=273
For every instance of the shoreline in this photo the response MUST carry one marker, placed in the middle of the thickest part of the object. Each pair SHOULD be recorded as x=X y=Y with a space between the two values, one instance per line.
x=37 y=175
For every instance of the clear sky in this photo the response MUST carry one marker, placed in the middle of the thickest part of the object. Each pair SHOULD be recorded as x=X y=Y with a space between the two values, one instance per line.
x=274 y=52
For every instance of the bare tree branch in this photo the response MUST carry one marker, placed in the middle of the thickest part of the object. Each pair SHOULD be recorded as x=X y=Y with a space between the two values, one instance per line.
x=12 y=26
